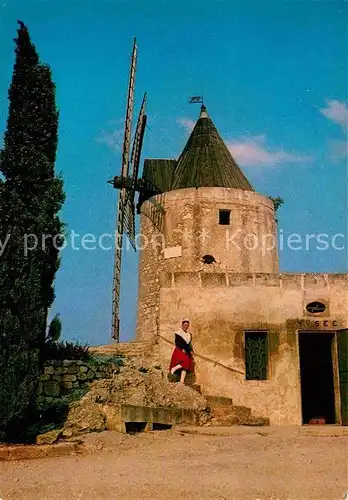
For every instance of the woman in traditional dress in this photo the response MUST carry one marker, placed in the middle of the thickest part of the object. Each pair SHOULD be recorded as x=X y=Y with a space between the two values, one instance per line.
x=182 y=358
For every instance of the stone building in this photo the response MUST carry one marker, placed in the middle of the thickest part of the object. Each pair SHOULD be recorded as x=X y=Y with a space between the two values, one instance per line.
x=275 y=342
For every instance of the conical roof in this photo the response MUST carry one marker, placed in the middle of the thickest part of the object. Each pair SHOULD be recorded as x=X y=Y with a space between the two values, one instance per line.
x=206 y=160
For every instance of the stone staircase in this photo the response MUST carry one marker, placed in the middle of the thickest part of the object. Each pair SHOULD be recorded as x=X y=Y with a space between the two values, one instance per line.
x=133 y=419
x=225 y=413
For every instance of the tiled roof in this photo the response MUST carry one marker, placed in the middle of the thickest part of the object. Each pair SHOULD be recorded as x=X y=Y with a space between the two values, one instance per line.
x=206 y=160
x=157 y=173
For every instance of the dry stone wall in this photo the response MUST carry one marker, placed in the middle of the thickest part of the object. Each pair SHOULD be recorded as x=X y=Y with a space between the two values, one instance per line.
x=61 y=377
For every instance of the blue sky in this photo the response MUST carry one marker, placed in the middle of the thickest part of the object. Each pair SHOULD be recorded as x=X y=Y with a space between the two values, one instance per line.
x=274 y=79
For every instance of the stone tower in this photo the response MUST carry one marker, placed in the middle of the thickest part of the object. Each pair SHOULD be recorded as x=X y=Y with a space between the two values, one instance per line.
x=206 y=220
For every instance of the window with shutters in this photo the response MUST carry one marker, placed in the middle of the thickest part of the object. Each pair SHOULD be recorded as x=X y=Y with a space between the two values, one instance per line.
x=256 y=356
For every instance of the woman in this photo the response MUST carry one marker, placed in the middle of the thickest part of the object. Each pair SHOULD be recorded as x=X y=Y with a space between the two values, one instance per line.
x=182 y=357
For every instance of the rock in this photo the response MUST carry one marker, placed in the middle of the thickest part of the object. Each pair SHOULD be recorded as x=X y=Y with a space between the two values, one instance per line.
x=57 y=378
x=49 y=437
x=82 y=376
x=52 y=388
x=83 y=369
x=48 y=370
x=69 y=378
x=68 y=432
x=99 y=409
x=67 y=385
x=85 y=416
x=44 y=378
x=112 y=417
x=55 y=362
x=73 y=368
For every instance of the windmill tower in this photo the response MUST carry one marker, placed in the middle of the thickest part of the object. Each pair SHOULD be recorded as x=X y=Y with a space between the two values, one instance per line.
x=212 y=218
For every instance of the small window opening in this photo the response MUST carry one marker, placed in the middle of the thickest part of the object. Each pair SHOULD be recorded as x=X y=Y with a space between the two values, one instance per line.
x=135 y=427
x=161 y=427
x=224 y=217
x=256 y=355
x=208 y=259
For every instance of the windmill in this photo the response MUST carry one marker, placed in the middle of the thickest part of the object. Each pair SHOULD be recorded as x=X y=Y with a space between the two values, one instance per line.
x=128 y=183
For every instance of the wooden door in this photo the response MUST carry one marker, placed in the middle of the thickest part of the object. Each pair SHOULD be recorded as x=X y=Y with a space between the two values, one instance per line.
x=342 y=344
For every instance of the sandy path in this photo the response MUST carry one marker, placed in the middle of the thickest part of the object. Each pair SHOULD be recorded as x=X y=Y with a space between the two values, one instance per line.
x=171 y=466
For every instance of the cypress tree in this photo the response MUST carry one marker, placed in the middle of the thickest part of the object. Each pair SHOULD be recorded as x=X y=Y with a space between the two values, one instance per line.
x=31 y=197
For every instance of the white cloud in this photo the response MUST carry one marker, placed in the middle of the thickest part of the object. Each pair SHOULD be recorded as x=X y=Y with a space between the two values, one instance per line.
x=113 y=138
x=337 y=112
x=186 y=123
x=253 y=151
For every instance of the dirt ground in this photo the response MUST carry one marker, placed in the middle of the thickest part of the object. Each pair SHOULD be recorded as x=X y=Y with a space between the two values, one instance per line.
x=239 y=464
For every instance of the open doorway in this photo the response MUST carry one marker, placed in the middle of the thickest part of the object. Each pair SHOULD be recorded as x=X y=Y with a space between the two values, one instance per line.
x=317 y=380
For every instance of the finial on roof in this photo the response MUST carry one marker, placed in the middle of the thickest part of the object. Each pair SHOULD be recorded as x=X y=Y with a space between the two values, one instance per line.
x=204 y=113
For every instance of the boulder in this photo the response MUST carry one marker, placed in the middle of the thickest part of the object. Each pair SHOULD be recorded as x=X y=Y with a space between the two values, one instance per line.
x=52 y=388
x=84 y=416
x=49 y=437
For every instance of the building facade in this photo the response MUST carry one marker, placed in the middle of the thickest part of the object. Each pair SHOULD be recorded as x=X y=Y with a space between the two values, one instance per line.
x=276 y=342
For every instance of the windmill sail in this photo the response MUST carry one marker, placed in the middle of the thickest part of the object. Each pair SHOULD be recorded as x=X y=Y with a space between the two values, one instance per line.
x=129 y=215
x=122 y=200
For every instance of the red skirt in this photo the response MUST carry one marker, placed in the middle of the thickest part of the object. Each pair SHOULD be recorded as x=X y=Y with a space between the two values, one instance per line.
x=180 y=357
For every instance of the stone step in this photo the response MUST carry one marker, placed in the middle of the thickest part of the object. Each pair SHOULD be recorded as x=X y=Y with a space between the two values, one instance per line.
x=242 y=412
x=257 y=421
x=196 y=387
x=219 y=401
x=224 y=413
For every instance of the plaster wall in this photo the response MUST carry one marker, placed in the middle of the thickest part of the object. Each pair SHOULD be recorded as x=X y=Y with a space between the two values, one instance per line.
x=223 y=306
x=241 y=291
x=179 y=227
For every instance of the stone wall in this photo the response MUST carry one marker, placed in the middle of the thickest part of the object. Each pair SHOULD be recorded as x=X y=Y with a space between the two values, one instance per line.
x=61 y=377
x=150 y=265
x=190 y=229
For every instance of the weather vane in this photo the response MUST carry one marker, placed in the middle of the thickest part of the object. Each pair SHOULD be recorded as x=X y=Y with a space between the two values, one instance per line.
x=196 y=99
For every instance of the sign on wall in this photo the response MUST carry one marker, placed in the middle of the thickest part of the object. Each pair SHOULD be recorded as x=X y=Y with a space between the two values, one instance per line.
x=315 y=307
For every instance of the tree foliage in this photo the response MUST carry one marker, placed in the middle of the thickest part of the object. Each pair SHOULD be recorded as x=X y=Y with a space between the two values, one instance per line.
x=277 y=202
x=31 y=196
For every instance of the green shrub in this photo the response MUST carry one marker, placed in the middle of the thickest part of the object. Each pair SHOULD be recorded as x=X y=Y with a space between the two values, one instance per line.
x=51 y=413
x=54 y=330
x=98 y=361
x=66 y=350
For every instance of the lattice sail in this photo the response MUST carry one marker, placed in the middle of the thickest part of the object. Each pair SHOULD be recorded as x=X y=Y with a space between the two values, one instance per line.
x=129 y=216
x=122 y=200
